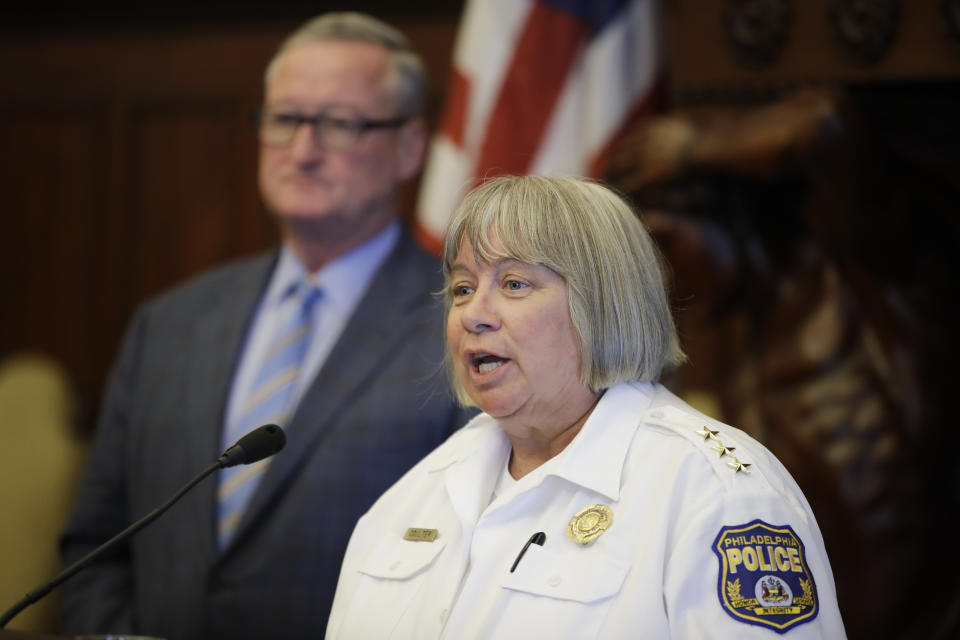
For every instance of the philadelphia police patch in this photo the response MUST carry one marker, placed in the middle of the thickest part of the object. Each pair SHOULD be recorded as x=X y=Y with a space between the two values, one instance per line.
x=764 y=578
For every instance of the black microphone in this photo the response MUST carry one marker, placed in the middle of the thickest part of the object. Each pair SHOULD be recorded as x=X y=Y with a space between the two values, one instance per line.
x=260 y=443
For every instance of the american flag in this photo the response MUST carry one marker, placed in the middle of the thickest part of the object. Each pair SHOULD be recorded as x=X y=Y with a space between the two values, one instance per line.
x=538 y=86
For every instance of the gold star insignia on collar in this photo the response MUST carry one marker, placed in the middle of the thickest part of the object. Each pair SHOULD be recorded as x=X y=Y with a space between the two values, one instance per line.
x=707 y=433
x=725 y=451
x=738 y=466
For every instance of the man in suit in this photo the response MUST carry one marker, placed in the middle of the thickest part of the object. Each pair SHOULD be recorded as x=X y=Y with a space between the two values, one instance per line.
x=341 y=128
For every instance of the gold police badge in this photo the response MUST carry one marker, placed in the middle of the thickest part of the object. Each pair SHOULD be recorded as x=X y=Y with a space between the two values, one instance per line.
x=589 y=523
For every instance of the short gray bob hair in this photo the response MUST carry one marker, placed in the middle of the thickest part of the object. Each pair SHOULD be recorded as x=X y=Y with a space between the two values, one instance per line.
x=592 y=238
x=408 y=82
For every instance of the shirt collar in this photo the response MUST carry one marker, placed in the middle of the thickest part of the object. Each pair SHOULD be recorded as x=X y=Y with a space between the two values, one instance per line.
x=595 y=457
x=479 y=434
x=344 y=280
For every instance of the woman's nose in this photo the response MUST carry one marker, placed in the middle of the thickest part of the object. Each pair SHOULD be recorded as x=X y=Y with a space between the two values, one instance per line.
x=480 y=313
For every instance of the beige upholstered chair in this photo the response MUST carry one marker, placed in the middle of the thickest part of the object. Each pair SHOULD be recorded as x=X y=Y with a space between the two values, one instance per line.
x=40 y=461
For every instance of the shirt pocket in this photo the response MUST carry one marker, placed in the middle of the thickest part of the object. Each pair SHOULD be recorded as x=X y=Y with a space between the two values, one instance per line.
x=402 y=560
x=566 y=595
x=586 y=576
x=390 y=580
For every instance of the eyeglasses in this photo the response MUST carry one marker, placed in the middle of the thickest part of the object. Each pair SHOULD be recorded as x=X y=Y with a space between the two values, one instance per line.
x=277 y=128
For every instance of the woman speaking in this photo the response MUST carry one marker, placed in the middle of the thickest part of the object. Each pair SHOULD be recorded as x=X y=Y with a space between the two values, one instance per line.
x=586 y=501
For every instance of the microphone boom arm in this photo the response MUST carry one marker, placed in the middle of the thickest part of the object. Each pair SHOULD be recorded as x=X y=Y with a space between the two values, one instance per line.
x=80 y=564
x=260 y=443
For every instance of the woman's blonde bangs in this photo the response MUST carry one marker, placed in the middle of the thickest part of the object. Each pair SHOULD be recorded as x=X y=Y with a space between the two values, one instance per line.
x=592 y=238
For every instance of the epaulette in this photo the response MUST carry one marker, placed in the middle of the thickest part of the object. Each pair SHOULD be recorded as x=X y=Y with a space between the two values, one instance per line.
x=708 y=436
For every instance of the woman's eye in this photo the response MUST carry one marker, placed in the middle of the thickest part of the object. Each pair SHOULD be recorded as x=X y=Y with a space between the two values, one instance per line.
x=515 y=285
x=461 y=290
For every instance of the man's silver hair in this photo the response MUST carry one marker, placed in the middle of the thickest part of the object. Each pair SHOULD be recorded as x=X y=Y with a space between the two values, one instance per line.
x=407 y=82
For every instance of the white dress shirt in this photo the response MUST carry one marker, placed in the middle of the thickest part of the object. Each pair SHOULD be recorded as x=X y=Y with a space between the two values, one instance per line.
x=682 y=518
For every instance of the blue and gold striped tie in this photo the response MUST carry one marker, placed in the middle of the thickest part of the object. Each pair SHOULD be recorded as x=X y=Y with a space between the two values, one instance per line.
x=271 y=401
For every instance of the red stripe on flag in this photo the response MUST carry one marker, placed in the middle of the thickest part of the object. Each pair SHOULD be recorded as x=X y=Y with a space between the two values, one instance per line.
x=455 y=111
x=545 y=51
x=651 y=102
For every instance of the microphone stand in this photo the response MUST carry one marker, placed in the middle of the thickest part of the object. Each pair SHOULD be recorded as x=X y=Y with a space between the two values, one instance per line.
x=80 y=564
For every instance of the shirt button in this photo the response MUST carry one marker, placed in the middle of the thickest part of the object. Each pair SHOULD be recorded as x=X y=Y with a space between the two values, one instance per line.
x=395 y=566
x=554 y=581
x=657 y=414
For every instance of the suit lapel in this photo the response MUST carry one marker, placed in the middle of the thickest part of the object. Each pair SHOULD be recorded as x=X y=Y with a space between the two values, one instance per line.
x=218 y=335
x=378 y=322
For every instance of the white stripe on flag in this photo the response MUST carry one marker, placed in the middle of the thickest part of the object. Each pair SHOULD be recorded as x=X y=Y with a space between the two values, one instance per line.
x=615 y=73
x=607 y=82
x=446 y=178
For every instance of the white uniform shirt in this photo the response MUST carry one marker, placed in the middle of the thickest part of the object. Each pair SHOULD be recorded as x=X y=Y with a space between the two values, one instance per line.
x=682 y=516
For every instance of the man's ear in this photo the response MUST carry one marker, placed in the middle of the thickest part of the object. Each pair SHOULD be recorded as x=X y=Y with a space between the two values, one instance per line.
x=411 y=148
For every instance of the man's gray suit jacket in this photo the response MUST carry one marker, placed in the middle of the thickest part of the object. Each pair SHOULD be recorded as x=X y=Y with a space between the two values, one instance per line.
x=378 y=405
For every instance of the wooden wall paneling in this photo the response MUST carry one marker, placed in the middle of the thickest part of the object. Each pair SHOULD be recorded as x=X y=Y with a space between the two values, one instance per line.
x=134 y=155
x=53 y=183
x=191 y=189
